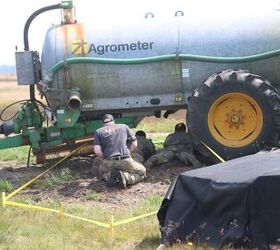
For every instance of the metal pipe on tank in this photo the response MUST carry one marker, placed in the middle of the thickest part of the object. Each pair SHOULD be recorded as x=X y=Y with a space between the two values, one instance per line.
x=74 y=101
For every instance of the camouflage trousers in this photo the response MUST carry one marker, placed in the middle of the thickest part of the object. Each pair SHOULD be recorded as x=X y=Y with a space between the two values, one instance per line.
x=133 y=171
x=137 y=157
x=166 y=156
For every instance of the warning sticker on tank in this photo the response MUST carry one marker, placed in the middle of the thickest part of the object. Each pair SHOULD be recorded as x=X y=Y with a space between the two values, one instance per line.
x=60 y=111
x=185 y=73
x=87 y=106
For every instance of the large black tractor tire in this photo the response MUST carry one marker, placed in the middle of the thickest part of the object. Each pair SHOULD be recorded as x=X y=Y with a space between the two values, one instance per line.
x=235 y=113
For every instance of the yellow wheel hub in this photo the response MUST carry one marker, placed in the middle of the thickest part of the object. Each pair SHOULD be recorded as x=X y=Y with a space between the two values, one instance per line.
x=235 y=120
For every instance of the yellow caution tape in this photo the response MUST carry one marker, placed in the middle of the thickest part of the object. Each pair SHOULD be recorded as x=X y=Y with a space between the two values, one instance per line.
x=112 y=224
x=16 y=204
x=21 y=205
x=91 y=221
x=210 y=149
x=40 y=175
x=60 y=212
x=3 y=199
x=134 y=218
x=213 y=152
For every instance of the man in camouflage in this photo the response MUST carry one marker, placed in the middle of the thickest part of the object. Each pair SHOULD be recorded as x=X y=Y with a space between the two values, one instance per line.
x=116 y=166
x=177 y=145
x=145 y=147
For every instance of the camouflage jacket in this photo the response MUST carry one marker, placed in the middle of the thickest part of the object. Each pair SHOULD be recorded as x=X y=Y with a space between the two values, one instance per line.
x=145 y=147
x=178 y=142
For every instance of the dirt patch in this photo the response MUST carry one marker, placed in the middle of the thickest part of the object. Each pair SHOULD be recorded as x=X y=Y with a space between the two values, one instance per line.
x=75 y=181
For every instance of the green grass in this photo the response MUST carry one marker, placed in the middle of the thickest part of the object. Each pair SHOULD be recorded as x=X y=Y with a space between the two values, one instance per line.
x=29 y=229
x=56 y=178
x=17 y=155
x=158 y=139
x=6 y=186
x=157 y=126
x=94 y=196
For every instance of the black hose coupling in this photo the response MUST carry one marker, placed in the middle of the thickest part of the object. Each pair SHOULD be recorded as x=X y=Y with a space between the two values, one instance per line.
x=7 y=128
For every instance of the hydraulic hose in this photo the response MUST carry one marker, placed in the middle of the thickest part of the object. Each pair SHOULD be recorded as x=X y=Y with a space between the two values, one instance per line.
x=31 y=18
x=63 y=5
x=161 y=58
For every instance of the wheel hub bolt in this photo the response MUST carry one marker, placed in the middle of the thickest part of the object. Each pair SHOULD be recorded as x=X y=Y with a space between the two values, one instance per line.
x=235 y=118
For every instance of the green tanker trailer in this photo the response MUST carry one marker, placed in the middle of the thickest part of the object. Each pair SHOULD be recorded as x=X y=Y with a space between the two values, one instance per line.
x=224 y=71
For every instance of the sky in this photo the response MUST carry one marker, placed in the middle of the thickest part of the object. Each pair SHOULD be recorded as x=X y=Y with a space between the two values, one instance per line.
x=14 y=13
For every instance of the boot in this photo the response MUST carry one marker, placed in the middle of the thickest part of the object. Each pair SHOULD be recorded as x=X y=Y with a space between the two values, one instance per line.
x=150 y=162
x=120 y=178
x=112 y=181
x=197 y=164
x=188 y=158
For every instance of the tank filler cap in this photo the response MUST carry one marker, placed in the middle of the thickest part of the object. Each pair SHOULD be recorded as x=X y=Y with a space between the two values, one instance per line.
x=69 y=16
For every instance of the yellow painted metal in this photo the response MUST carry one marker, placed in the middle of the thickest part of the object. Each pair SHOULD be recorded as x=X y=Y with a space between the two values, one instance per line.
x=235 y=119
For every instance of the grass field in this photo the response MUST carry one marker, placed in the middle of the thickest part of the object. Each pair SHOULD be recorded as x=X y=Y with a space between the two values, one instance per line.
x=17 y=155
x=27 y=229
x=10 y=92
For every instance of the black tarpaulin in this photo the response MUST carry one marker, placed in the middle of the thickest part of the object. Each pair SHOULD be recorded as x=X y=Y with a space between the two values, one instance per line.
x=236 y=204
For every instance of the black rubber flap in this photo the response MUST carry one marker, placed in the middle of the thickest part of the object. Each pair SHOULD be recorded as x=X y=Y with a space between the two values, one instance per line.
x=234 y=204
